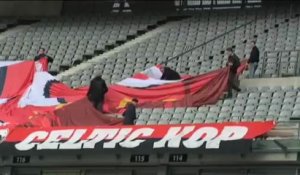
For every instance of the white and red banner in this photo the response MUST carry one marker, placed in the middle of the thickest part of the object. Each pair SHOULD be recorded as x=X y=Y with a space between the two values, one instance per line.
x=33 y=98
x=109 y=137
x=149 y=77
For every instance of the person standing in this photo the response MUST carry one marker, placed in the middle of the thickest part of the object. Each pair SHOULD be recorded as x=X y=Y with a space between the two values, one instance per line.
x=234 y=63
x=253 y=60
x=42 y=60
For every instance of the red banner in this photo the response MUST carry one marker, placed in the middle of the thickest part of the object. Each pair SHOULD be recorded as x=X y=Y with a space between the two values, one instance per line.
x=163 y=136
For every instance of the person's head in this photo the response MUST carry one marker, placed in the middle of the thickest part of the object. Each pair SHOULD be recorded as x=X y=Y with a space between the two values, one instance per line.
x=253 y=43
x=229 y=51
x=42 y=51
x=134 y=101
x=97 y=90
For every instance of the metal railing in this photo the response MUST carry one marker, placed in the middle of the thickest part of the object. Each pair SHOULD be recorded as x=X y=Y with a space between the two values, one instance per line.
x=285 y=130
x=203 y=51
x=282 y=64
x=209 y=41
x=212 y=4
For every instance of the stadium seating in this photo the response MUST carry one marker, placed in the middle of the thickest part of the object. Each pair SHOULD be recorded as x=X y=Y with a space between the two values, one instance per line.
x=188 y=33
x=254 y=104
x=70 y=38
x=5 y=23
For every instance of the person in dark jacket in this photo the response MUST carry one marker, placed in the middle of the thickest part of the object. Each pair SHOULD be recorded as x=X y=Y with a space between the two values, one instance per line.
x=96 y=92
x=130 y=112
x=234 y=63
x=43 y=60
x=253 y=60
x=170 y=74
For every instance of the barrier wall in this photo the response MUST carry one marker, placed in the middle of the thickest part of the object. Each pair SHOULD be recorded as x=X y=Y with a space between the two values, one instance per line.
x=30 y=8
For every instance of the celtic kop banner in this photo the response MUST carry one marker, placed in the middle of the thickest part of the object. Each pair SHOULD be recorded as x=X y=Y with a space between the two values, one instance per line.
x=190 y=136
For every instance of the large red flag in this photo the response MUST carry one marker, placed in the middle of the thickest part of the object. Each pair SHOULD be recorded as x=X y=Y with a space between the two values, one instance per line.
x=187 y=92
x=15 y=78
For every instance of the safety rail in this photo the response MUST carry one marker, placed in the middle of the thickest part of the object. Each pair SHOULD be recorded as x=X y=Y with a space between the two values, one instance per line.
x=283 y=138
x=285 y=130
x=210 y=41
x=281 y=62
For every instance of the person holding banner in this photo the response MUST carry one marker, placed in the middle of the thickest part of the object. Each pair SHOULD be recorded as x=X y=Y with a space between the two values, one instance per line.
x=96 y=95
x=234 y=63
x=130 y=112
x=42 y=60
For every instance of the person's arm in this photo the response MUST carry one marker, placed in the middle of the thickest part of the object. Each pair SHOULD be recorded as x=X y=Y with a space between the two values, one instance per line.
x=257 y=54
x=229 y=63
x=50 y=59
x=252 y=55
x=36 y=58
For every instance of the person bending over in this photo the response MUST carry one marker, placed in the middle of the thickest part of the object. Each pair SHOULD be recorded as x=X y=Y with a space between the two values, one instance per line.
x=130 y=112
x=170 y=74
x=96 y=92
x=96 y=95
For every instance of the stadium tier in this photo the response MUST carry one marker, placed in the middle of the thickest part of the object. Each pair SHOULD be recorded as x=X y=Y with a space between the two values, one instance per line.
x=70 y=38
x=185 y=34
x=6 y=23
x=142 y=91
x=255 y=104
x=275 y=30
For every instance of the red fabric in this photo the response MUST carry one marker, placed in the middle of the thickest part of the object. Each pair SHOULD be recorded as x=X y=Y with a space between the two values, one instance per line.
x=82 y=113
x=193 y=91
x=140 y=76
x=29 y=116
x=18 y=77
x=243 y=66
x=44 y=63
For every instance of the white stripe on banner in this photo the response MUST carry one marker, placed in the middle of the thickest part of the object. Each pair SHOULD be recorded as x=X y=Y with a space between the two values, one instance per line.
x=34 y=95
x=3 y=101
x=8 y=63
x=138 y=83
x=154 y=74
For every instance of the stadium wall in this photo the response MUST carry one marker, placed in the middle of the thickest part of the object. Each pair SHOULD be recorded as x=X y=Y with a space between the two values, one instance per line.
x=271 y=82
x=30 y=8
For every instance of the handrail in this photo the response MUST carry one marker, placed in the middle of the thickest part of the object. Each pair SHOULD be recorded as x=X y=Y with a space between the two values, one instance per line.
x=209 y=41
x=284 y=130
x=279 y=66
x=274 y=51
